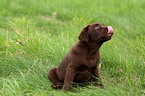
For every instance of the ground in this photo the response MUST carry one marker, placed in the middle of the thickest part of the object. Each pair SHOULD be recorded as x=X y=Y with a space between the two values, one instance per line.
x=36 y=35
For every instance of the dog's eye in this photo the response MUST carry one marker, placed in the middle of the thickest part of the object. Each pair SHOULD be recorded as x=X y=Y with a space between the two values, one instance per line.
x=97 y=26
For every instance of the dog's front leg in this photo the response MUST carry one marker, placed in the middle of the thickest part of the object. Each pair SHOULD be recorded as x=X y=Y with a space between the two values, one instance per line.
x=96 y=77
x=69 y=76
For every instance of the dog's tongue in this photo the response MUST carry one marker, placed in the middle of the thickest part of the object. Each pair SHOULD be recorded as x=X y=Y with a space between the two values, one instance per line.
x=110 y=29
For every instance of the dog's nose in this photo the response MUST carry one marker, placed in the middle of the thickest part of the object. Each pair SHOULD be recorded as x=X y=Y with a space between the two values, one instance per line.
x=104 y=28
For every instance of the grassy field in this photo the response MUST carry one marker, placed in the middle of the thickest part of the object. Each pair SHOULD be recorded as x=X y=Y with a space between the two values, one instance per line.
x=32 y=41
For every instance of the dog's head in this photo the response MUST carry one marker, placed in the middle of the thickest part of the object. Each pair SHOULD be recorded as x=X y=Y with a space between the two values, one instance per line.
x=96 y=32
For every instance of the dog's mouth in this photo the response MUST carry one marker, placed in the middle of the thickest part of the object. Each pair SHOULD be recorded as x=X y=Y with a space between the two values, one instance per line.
x=110 y=31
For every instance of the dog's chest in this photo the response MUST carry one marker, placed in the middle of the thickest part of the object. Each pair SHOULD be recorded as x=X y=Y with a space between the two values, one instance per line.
x=93 y=60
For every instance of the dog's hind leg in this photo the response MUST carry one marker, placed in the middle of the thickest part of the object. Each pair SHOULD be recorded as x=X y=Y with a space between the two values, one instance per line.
x=53 y=77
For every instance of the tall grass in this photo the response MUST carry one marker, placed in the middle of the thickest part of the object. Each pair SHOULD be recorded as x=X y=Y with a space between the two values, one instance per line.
x=32 y=42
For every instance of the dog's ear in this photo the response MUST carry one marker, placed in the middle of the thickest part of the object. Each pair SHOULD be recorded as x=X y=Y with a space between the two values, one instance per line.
x=84 y=34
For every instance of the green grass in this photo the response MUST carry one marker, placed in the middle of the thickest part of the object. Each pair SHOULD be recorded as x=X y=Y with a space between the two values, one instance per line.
x=32 y=42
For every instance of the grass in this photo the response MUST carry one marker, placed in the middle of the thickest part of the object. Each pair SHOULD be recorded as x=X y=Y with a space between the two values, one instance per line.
x=32 y=42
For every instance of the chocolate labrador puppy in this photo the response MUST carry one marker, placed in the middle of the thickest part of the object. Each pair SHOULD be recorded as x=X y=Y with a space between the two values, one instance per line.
x=81 y=63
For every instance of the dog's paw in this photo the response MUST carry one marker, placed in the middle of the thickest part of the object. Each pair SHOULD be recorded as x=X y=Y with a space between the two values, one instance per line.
x=98 y=84
x=57 y=85
x=66 y=88
x=101 y=86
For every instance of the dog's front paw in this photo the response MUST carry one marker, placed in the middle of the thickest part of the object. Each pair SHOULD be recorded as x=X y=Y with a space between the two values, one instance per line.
x=101 y=86
x=66 y=88
x=57 y=85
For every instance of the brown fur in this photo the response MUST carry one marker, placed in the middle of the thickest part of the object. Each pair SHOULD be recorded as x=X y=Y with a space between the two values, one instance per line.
x=81 y=63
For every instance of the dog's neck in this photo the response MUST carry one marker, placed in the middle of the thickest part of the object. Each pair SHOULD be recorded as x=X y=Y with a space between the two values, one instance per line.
x=92 y=47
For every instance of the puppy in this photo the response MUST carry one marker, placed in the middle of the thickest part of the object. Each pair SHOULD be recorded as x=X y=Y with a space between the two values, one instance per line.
x=81 y=63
